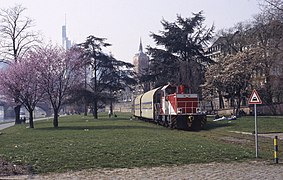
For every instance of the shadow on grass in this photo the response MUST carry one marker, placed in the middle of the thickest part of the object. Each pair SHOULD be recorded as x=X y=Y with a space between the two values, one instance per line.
x=209 y=126
x=113 y=118
x=87 y=128
x=214 y=125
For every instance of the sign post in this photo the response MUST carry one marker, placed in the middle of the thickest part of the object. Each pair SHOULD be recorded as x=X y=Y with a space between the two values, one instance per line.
x=255 y=99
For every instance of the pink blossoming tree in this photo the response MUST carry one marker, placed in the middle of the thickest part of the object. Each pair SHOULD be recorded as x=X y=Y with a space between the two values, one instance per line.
x=60 y=73
x=21 y=83
x=47 y=74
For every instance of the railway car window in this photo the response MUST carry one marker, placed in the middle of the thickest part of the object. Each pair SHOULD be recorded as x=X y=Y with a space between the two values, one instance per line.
x=183 y=89
x=187 y=91
x=171 y=90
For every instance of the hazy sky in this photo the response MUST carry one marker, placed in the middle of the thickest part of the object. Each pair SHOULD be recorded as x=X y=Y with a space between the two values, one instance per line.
x=124 y=22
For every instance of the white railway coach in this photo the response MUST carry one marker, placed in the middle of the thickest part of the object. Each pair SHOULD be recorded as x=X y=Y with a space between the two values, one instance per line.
x=171 y=106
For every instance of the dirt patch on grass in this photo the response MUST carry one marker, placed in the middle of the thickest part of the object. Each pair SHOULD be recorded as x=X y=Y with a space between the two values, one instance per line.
x=235 y=140
x=9 y=169
x=211 y=171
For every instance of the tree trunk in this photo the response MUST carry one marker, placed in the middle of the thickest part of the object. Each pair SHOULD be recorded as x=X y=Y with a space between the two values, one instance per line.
x=95 y=116
x=31 y=119
x=17 y=110
x=111 y=107
x=238 y=105
x=95 y=91
x=55 y=120
x=221 y=101
x=269 y=99
x=85 y=109
x=85 y=101
x=211 y=104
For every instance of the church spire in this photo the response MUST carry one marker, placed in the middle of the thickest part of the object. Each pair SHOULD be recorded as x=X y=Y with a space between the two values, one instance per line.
x=140 y=48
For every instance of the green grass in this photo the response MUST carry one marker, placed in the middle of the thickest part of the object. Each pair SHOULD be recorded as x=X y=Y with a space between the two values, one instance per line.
x=265 y=124
x=81 y=143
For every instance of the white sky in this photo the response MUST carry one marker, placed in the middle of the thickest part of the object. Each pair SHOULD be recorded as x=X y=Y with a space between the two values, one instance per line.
x=124 y=22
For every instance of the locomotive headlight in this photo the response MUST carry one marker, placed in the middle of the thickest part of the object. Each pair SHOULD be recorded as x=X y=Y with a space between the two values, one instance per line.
x=179 y=110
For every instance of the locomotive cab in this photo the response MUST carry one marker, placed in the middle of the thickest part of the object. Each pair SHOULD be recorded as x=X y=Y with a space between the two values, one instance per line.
x=180 y=109
x=177 y=100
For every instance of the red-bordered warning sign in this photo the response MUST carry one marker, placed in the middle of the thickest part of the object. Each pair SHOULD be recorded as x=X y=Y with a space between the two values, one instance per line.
x=254 y=98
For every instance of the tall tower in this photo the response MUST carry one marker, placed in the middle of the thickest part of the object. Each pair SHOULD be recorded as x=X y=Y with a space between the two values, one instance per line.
x=66 y=43
x=140 y=61
x=64 y=35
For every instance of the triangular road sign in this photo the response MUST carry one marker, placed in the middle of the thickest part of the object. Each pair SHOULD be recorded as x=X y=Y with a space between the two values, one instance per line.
x=254 y=98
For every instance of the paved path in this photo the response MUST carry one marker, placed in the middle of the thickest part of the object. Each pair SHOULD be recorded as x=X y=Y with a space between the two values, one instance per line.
x=212 y=171
x=6 y=125
x=269 y=135
x=272 y=135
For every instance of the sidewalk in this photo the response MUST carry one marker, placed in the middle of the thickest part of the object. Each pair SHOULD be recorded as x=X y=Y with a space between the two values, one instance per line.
x=269 y=135
x=6 y=125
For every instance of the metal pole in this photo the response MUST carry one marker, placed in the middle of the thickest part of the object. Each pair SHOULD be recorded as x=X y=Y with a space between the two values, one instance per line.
x=276 y=149
x=256 y=135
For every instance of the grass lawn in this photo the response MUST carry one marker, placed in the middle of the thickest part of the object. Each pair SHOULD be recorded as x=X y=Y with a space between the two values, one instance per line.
x=81 y=143
x=266 y=124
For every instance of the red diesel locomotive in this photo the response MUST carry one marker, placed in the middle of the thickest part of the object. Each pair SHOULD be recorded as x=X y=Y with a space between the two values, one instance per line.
x=171 y=106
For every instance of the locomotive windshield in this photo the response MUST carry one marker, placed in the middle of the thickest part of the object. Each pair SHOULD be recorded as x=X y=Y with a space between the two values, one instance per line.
x=170 y=90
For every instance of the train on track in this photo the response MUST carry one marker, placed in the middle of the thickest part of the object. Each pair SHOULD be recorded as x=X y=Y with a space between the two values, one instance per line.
x=171 y=106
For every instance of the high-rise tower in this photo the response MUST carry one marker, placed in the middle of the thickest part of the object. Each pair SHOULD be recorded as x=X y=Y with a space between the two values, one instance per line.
x=66 y=43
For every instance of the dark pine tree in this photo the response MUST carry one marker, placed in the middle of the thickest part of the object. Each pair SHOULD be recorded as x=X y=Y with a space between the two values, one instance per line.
x=180 y=56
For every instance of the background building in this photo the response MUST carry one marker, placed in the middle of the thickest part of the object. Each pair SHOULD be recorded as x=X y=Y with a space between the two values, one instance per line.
x=267 y=77
x=140 y=61
x=141 y=65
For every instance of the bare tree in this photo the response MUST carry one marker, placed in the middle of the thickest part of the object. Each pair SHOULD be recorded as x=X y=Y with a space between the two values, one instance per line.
x=16 y=34
x=275 y=4
x=269 y=37
x=273 y=9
